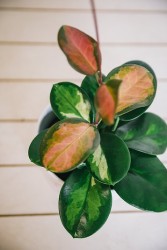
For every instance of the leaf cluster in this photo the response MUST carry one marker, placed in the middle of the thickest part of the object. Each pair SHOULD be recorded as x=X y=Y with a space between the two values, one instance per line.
x=103 y=139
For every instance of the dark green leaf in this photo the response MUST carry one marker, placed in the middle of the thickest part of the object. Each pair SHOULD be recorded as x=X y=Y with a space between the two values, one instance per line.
x=147 y=134
x=84 y=204
x=145 y=186
x=111 y=160
x=90 y=86
x=34 y=149
x=70 y=101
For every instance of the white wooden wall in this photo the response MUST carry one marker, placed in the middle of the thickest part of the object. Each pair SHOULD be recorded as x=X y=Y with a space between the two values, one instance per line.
x=30 y=62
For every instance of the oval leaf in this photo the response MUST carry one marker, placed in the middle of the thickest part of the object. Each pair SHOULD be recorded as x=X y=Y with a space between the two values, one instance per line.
x=111 y=160
x=67 y=144
x=139 y=111
x=34 y=148
x=84 y=204
x=80 y=49
x=147 y=134
x=145 y=186
x=137 y=87
x=70 y=101
x=106 y=100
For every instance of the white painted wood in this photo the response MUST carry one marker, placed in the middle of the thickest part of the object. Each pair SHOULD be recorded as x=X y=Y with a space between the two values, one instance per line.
x=47 y=62
x=28 y=190
x=15 y=141
x=80 y=4
x=23 y=100
x=139 y=231
x=114 y=27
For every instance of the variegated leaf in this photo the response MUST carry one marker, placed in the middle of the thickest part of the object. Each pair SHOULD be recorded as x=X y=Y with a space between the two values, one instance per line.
x=70 y=101
x=80 y=49
x=147 y=134
x=137 y=88
x=111 y=160
x=106 y=100
x=68 y=143
x=84 y=204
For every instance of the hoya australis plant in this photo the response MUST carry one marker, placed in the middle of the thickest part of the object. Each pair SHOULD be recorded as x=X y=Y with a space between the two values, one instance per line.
x=103 y=138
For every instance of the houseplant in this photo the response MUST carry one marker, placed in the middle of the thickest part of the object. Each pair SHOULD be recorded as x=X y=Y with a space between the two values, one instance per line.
x=103 y=138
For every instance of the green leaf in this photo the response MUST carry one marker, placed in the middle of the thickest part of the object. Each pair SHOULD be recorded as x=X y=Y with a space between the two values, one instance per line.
x=34 y=148
x=106 y=99
x=80 y=49
x=137 y=88
x=147 y=134
x=84 y=204
x=67 y=144
x=111 y=160
x=70 y=101
x=90 y=86
x=145 y=186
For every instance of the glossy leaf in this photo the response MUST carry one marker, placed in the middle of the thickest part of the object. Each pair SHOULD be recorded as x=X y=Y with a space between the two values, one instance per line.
x=84 y=204
x=106 y=100
x=145 y=186
x=80 y=49
x=137 y=87
x=34 y=148
x=147 y=134
x=67 y=144
x=90 y=86
x=70 y=101
x=111 y=160
x=139 y=111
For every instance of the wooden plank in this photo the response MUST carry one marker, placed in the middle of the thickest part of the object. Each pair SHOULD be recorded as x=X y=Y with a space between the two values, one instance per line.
x=27 y=100
x=23 y=100
x=33 y=190
x=79 y=4
x=15 y=140
x=28 y=190
x=120 y=27
x=126 y=231
x=45 y=62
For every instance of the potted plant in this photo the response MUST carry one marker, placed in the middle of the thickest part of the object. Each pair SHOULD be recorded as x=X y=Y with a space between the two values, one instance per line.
x=102 y=139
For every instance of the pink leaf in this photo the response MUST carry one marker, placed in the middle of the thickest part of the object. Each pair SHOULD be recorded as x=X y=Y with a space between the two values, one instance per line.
x=80 y=49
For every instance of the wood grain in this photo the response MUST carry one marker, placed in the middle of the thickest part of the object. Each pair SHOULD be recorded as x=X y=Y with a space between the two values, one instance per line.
x=141 y=5
x=114 y=28
x=127 y=231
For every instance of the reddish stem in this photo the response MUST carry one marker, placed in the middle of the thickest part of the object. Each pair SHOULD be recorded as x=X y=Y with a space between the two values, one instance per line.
x=97 y=37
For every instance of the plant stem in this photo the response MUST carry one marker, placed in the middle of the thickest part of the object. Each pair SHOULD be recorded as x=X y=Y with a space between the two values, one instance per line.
x=97 y=37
